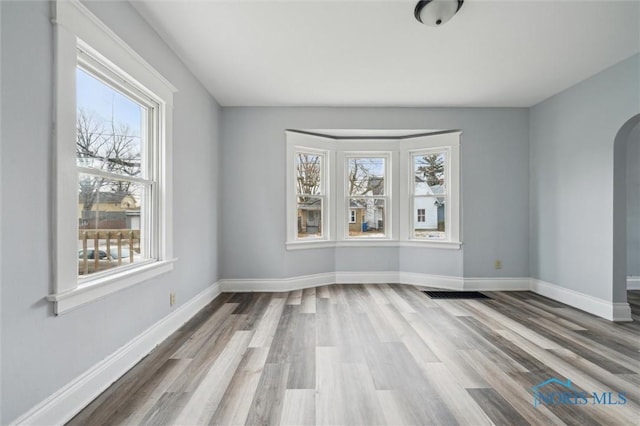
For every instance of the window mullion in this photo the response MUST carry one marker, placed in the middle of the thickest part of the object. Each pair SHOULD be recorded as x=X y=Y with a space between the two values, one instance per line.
x=114 y=176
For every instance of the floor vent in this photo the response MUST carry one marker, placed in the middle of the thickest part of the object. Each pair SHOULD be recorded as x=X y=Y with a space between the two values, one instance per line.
x=456 y=295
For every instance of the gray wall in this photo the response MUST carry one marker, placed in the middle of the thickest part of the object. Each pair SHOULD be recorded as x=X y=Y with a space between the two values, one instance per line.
x=571 y=189
x=41 y=352
x=633 y=203
x=494 y=157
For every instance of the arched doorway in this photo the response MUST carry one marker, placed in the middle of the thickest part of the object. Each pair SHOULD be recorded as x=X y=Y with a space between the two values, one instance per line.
x=625 y=136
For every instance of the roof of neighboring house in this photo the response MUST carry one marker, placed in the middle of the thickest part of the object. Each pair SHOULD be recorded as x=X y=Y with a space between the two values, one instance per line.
x=361 y=203
x=310 y=204
x=108 y=197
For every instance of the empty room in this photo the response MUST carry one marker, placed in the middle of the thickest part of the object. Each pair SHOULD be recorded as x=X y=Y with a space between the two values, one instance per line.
x=319 y=212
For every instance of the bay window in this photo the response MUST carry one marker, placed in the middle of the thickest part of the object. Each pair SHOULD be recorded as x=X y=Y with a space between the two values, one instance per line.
x=375 y=188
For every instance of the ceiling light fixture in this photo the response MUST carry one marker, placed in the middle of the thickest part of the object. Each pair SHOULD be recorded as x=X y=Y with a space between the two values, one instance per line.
x=436 y=12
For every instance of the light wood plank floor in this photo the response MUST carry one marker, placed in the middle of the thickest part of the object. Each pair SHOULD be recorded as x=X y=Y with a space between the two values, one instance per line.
x=378 y=354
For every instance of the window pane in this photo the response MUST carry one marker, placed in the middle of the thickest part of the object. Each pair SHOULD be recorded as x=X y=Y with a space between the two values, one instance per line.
x=109 y=224
x=429 y=174
x=365 y=176
x=109 y=128
x=429 y=218
x=308 y=173
x=369 y=217
x=309 y=217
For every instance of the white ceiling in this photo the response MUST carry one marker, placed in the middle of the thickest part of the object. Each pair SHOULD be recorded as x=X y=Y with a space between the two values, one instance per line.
x=374 y=53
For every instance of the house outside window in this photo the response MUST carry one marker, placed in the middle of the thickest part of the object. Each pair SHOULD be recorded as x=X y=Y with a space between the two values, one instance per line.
x=429 y=192
x=366 y=193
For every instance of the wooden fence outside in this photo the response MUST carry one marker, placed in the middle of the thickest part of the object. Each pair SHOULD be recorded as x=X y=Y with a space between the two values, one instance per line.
x=113 y=239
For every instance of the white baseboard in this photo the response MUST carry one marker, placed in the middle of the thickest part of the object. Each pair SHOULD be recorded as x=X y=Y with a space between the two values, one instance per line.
x=429 y=280
x=382 y=277
x=277 y=284
x=633 y=283
x=621 y=312
x=69 y=400
x=497 y=284
x=593 y=305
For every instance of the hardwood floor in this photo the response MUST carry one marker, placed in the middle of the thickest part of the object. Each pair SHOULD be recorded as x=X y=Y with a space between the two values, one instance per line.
x=380 y=354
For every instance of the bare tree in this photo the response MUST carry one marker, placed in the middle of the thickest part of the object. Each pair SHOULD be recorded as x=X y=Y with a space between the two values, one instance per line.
x=104 y=145
x=362 y=176
x=308 y=169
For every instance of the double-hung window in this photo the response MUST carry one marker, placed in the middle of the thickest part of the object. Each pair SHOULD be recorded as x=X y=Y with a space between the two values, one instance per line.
x=310 y=194
x=113 y=174
x=429 y=193
x=366 y=194
x=116 y=145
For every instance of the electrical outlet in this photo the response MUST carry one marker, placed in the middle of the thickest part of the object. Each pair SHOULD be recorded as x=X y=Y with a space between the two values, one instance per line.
x=498 y=264
x=172 y=299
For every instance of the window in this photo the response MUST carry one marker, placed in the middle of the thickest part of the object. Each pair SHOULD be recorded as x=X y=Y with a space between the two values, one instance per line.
x=366 y=192
x=115 y=145
x=310 y=194
x=383 y=190
x=113 y=228
x=429 y=194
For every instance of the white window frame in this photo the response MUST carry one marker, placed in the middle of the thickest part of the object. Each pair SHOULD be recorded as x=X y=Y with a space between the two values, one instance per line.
x=75 y=27
x=299 y=143
x=448 y=142
x=352 y=216
x=324 y=222
x=413 y=196
x=399 y=211
x=343 y=204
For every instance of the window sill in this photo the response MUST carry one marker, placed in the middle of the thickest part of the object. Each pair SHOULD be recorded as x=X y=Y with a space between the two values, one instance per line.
x=302 y=245
x=94 y=289
x=445 y=245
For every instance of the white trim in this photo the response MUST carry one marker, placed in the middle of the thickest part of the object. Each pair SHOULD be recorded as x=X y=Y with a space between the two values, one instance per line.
x=368 y=242
x=381 y=277
x=429 y=280
x=104 y=286
x=621 y=312
x=633 y=283
x=372 y=277
x=76 y=27
x=497 y=284
x=372 y=242
x=602 y=308
x=346 y=151
x=277 y=284
x=73 y=397
x=593 y=305
x=445 y=245
x=77 y=19
x=311 y=244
